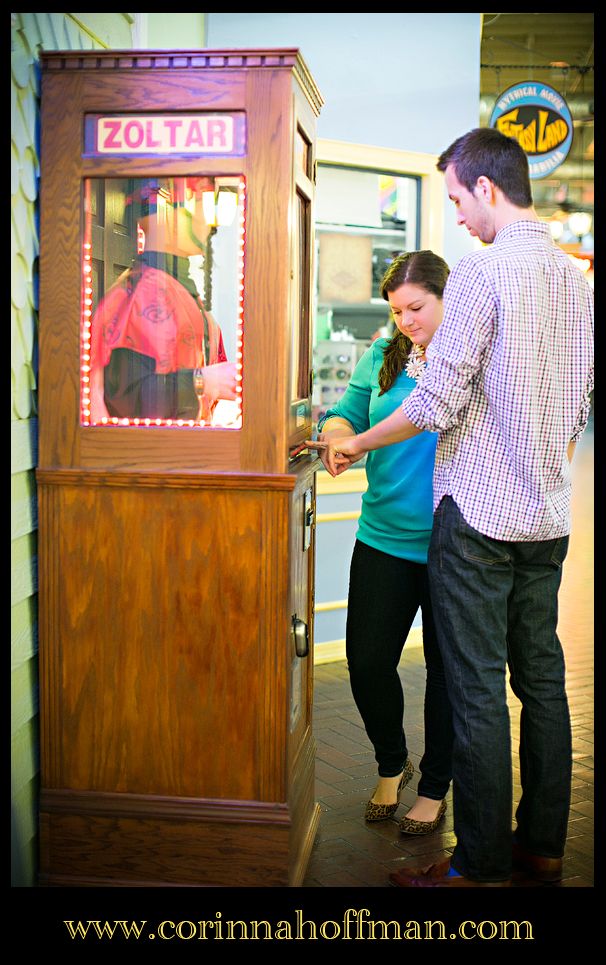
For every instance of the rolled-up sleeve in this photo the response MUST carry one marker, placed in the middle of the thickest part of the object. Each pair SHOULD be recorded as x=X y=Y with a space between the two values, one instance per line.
x=585 y=409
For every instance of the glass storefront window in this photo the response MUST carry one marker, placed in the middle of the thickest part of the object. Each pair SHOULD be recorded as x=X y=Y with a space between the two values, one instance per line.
x=364 y=218
x=162 y=302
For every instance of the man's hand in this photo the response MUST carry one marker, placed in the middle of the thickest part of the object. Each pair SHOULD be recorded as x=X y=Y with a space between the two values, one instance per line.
x=342 y=451
x=331 y=448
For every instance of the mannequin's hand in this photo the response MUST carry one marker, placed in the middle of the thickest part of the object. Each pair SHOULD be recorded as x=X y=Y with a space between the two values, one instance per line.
x=220 y=381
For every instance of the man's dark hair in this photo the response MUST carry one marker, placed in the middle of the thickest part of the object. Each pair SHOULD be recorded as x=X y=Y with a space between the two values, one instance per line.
x=486 y=152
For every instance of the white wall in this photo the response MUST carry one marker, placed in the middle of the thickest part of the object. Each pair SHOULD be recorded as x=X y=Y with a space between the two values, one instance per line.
x=409 y=81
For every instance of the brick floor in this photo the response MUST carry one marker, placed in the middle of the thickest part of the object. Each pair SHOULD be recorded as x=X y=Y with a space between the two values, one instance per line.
x=350 y=853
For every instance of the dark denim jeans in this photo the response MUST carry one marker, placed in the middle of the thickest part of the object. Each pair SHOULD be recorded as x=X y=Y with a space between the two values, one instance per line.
x=385 y=593
x=495 y=604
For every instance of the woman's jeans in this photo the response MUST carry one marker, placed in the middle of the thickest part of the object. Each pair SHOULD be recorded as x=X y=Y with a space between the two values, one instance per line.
x=495 y=604
x=385 y=593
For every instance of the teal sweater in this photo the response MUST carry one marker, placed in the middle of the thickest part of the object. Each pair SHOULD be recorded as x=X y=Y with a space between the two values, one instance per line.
x=397 y=510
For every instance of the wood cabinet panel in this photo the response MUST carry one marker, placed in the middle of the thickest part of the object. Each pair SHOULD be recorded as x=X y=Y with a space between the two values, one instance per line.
x=88 y=850
x=162 y=608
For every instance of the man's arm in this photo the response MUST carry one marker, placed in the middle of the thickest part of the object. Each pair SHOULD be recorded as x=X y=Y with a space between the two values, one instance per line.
x=454 y=357
x=346 y=450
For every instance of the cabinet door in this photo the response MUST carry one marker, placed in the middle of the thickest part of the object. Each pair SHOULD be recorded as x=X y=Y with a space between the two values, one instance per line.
x=301 y=610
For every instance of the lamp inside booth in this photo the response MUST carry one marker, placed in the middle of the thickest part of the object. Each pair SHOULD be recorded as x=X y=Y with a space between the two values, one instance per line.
x=220 y=205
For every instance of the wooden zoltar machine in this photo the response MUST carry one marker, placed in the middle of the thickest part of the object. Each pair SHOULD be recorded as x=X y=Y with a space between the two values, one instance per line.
x=176 y=499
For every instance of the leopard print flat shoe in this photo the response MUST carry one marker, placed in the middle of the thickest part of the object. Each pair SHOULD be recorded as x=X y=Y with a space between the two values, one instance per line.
x=410 y=826
x=382 y=812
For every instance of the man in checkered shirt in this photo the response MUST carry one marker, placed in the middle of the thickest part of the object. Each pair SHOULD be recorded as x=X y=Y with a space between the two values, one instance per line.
x=507 y=386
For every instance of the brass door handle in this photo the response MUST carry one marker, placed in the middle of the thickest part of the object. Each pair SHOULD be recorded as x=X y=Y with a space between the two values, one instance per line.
x=300 y=634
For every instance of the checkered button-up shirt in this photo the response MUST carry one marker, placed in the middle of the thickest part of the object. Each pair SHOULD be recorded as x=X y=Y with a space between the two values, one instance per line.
x=507 y=384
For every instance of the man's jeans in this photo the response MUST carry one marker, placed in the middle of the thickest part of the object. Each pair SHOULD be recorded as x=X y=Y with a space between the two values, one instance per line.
x=495 y=603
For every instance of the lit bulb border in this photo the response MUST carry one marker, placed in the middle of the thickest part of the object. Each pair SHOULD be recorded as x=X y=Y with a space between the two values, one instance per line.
x=86 y=321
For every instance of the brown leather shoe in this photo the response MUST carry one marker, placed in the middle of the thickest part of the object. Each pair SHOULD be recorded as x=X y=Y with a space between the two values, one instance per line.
x=536 y=866
x=436 y=876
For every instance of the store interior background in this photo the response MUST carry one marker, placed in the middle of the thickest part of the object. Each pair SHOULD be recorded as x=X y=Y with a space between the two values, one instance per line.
x=396 y=82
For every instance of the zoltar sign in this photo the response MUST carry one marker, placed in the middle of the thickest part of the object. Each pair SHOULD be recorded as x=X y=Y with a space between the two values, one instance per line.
x=166 y=134
x=538 y=117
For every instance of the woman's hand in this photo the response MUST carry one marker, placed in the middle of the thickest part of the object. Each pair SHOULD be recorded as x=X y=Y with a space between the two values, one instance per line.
x=338 y=428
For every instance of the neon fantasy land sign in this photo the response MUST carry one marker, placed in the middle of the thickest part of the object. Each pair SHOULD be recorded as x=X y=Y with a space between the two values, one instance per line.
x=538 y=117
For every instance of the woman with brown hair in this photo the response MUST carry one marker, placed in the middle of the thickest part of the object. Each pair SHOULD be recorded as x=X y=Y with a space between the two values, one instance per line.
x=388 y=577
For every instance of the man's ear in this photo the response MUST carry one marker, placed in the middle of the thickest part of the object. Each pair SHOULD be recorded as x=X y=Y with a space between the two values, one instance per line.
x=485 y=189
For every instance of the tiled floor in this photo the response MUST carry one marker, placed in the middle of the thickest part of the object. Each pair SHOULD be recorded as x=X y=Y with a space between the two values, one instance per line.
x=349 y=853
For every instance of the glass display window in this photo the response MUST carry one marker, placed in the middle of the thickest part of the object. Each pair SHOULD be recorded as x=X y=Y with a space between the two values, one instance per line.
x=163 y=302
x=365 y=217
